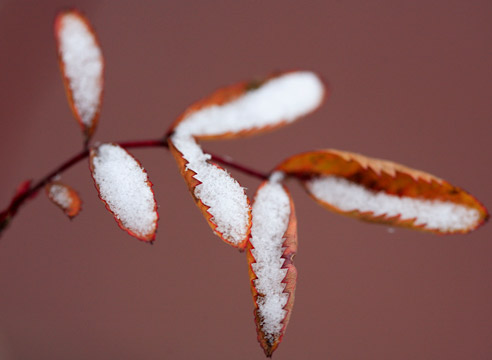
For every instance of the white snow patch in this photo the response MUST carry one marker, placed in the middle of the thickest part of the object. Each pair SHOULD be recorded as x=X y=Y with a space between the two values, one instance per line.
x=347 y=196
x=271 y=212
x=227 y=202
x=60 y=195
x=277 y=177
x=283 y=98
x=83 y=64
x=123 y=186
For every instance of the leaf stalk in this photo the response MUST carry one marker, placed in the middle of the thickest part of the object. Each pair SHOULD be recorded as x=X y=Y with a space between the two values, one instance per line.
x=20 y=199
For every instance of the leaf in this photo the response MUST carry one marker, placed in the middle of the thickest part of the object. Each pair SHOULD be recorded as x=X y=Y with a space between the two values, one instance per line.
x=123 y=185
x=271 y=249
x=82 y=66
x=64 y=197
x=385 y=192
x=239 y=110
x=7 y=214
x=219 y=197
x=249 y=108
x=22 y=189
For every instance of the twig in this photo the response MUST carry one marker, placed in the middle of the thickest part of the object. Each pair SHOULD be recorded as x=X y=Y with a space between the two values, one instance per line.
x=21 y=198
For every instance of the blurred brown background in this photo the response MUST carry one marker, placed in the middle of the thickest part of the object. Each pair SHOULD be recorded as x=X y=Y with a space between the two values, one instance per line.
x=410 y=81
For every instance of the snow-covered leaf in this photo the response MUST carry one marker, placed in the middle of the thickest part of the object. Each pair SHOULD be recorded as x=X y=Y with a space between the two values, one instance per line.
x=219 y=197
x=382 y=191
x=82 y=66
x=271 y=249
x=64 y=197
x=252 y=107
x=124 y=187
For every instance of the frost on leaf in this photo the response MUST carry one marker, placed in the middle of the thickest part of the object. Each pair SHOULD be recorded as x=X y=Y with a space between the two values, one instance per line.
x=64 y=197
x=123 y=185
x=82 y=65
x=219 y=197
x=385 y=192
x=271 y=249
x=251 y=107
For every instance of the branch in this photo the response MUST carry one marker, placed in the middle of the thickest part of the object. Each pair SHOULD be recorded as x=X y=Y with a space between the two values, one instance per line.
x=32 y=190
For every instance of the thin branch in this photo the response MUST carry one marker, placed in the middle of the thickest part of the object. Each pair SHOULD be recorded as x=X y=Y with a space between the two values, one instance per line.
x=20 y=199
x=241 y=168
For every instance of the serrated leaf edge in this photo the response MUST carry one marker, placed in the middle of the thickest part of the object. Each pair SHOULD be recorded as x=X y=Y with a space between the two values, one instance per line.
x=191 y=182
x=288 y=254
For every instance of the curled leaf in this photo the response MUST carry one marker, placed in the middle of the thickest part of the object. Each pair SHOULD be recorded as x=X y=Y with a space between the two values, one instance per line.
x=219 y=197
x=22 y=189
x=82 y=66
x=385 y=192
x=124 y=187
x=252 y=107
x=64 y=197
x=21 y=192
x=271 y=249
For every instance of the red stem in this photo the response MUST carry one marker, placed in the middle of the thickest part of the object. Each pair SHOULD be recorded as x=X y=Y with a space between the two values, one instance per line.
x=18 y=201
x=216 y=158
x=241 y=168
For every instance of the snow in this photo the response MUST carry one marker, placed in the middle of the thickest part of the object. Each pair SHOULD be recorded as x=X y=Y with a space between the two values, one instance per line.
x=227 y=202
x=123 y=185
x=271 y=212
x=83 y=65
x=281 y=99
x=444 y=216
x=60 y=195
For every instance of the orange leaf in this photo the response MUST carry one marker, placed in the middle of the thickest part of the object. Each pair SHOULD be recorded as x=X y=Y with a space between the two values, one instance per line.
x=82 y=67
x=253 y=107
x=385 y=192
x=220 y=198
x=123 y=185
x=64 y=197
x=270 y=253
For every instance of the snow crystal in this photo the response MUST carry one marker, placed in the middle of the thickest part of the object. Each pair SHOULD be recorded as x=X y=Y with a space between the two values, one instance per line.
x=60 y=195
x=83 y=65
x=227 y=202
x=123 y=186
x=271 y=212
x=444 y=216
x=283 y=98
x=277 y=176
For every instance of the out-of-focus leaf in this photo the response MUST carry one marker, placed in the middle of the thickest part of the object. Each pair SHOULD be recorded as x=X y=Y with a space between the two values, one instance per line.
x=253 y=107
x=82 y=66
x=220 y=198
x=123 y=185
x=7 y=214
x=65 y=197
x=270 y=253
x=385 y=192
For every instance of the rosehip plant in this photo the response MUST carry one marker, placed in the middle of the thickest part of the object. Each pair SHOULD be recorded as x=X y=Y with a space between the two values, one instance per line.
x=350 y=184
